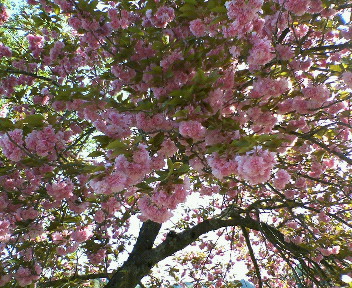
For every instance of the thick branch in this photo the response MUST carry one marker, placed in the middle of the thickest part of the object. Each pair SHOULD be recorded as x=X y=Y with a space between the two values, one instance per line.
x=139 y=265
x=330 y=47
x=322 y=145
x=136 y=266
x=21 y=72
x=55 y=283
x=251 y=253
x=146 y=237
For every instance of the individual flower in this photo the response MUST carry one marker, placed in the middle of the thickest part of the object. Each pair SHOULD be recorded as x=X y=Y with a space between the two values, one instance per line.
x=255 y=167
x=192 y=129
x=197 y=28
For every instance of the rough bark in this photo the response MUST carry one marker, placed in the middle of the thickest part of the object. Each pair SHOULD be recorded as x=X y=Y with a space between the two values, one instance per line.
x=144 y=257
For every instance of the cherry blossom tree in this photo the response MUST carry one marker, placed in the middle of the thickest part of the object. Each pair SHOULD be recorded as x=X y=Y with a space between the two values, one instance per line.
x=188 y=117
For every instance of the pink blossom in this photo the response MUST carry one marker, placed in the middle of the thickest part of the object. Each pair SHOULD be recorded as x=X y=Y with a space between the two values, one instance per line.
x=346 y=33
x=113 y=183
x=220 y=166
x=11 y=145
x=4 y=279
x=316 y=95
x=114 y=124
x=4 y=228
x=335 y=108
x=123 y=73
x=329 y=251
x=196 y=164
x=284 y=52
x=299 y=7
x=43 y=142
x=256 y=167
x=58 y=237
x=64 y=5
x=143 y=51
x=293 y=225
x=5 y=51
x=35 y=44
x=111 y=206
x=347 y=78
x=163 y=16
x=30 y=213
x=216 y=97
x=290 y=194
x=158 y=162
x=23 y=276
x=99 y=216
x=237 y=28
x=192 y=129
x=316 y=170
x=170 y=196
x=82 y=234
x=60 y=190
x=4 y=16
x=168 y=148
x=300 y=65
x=152 y=123
x=301 y=183
x=300 y=105
x=150 y=211
x=197 y=28
x=237 y=8
x=98 y=257
x=56 y=50
x=282 y=177
x=209 y=190
x=170 y=59
x=261 y=52
x=323 y=217
x=267 y=87
x=61 y=251
x=316 y=6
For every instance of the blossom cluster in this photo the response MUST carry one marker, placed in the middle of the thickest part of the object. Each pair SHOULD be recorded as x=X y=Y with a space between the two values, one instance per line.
x=165 y=198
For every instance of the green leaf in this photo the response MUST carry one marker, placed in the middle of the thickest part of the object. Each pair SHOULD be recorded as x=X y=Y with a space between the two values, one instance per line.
x=93 y=168
x=189 y=11
x=181 y=113
x=183 y=169
x=102 y=139
x=243 y=142
x=157 y=139
x=144 y=186
x=191 y=2
x=215 y=148
x=336 y=68
x=117 y=144
x=6 y=124
x=96 y=154
x=35 y=120
x=145 y=105
x=219 y=9
x=31 y=162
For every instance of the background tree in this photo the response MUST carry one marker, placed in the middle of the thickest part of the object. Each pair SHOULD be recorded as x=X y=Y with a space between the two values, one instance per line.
x=113 y=110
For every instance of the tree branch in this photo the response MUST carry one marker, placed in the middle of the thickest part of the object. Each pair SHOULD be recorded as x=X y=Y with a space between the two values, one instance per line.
x=54 y=283
x=330 y=47
x=322 y=145
x=136 y=266
x=21 y=72
x=251 y=253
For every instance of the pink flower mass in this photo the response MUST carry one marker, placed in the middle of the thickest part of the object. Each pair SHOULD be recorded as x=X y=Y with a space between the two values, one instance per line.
x=256 y=167
x=192 y=129
x=11 y=145
x=155 y=143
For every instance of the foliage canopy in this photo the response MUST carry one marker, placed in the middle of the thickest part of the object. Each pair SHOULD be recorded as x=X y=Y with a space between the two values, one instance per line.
x=190 y=117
